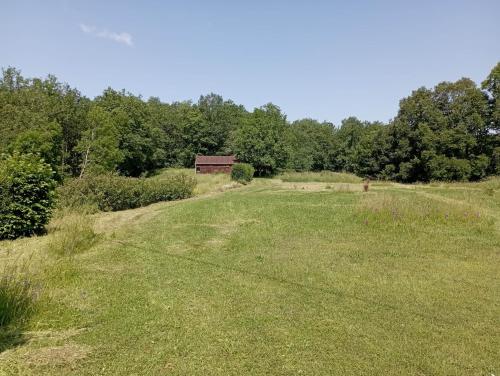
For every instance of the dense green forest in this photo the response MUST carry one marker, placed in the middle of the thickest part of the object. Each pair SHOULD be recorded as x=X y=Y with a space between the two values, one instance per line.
x=449 y=132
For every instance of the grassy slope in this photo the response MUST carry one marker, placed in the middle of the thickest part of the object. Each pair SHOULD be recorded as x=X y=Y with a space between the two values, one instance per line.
x=280 y=279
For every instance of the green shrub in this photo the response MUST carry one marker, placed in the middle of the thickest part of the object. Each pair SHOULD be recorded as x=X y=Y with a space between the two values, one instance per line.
x=495 y=161
x=113 y=192
x=449 y=169
x=242 y=173
x=18 y=294
x=479 y=167
x=26 y=195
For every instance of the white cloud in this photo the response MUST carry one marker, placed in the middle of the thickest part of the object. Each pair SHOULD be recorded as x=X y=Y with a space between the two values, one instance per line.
x=122 y=37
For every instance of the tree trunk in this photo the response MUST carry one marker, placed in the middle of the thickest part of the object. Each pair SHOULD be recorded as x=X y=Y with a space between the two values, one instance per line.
x=86 y=157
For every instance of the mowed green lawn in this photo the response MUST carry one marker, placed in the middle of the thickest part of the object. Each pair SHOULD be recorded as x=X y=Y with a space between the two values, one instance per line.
x=279 y=279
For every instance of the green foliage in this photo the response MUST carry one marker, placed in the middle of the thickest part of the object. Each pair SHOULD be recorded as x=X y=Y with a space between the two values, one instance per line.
x=99 y=144
x=261 y=140
x=311 y=145
x=437 y=132
x=370 y=158
x=492 y=86
x=42 y=143
x=41 y=116
x=112 y=192
x=18 y=294
x=449 y=169
x=242 y=173
x=26 y=195
x=218 y=119
x=123 y=133
x=495 y=161
x=479 y=167
x=135 y=137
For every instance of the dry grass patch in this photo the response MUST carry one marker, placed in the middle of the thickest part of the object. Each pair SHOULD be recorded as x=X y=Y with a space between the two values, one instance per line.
x=53 y=335
x=67 y=354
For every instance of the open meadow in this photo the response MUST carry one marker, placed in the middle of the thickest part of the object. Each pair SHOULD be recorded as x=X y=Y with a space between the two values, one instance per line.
x=250 y=188
x=297 y=277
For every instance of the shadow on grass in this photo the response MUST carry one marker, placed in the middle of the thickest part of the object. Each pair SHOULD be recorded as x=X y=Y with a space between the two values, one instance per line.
x=11 y=337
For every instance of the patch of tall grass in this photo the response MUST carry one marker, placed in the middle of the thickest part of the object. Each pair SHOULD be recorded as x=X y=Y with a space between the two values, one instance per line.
x=18 y=294
x=321 y=177
x=389 y=209
x=207 y=183
x=72 y=233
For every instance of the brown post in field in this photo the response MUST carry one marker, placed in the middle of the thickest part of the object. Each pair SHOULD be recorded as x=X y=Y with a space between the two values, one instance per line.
x=366 y=185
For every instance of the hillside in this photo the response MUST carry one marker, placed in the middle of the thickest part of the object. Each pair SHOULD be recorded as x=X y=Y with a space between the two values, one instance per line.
x=273 y=278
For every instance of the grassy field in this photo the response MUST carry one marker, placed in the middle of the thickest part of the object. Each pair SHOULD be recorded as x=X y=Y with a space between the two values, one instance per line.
x=322 y=177
x=281 y=277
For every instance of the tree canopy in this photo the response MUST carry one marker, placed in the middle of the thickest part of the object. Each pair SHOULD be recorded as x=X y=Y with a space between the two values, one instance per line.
x=449 y=132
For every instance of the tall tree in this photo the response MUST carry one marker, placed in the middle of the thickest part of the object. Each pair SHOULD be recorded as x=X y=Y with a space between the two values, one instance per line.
x=261 y=140
x=369 y=157
x=130 y=114
x=440 y=133
x=99 y=144
x=42 y=116
x=492 y=86
x=219 y=119
x=311 y=145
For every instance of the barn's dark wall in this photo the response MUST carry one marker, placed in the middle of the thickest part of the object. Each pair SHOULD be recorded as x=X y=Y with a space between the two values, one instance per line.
x=212 y=169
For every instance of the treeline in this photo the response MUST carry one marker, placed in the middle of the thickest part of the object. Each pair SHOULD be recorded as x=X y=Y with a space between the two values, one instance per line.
x=450 y=132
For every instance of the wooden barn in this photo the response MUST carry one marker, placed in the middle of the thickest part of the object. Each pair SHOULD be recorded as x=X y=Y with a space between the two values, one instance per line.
x=212 y=164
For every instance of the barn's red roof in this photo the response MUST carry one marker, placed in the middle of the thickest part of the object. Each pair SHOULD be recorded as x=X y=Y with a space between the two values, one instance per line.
x=215 y=159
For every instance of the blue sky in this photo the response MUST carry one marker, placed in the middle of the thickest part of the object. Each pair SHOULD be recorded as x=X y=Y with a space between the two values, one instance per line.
x=322 y=59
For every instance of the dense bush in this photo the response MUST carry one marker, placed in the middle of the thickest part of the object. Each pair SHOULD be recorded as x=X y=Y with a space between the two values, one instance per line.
x=449 y=169
x=26 y=195
x=479 y=167
x=242 y=173
x=113 y=192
